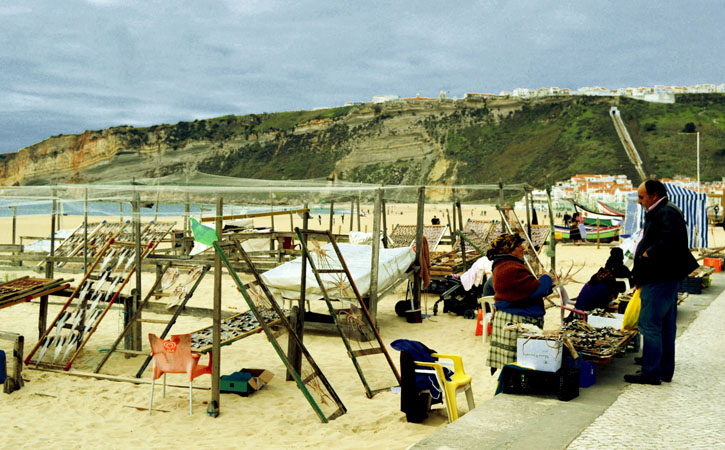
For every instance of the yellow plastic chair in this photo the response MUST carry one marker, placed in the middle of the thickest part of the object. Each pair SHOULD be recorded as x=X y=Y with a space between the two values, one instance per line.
x=459 y=382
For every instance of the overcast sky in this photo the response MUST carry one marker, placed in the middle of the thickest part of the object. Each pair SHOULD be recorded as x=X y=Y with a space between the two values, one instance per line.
x=71 y=65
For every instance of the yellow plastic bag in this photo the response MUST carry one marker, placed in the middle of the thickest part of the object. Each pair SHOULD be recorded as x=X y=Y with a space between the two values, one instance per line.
x=631 y=314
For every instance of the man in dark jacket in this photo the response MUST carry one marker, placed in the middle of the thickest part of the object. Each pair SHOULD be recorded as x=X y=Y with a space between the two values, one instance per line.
x=662 y=259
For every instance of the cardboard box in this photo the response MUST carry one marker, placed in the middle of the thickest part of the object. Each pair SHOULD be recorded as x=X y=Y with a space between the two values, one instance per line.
x=600 y=322
x=245 y=381
x=260 y=377
x=539 y=354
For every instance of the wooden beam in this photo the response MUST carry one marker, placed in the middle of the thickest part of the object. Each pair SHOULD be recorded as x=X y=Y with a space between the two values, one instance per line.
x=332 y=214
x=101 y=376
x=418 y=245
x=214 y=405
x=373 y=292
x=253 y=215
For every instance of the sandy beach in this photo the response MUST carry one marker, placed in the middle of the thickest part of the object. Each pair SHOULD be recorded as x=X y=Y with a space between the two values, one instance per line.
x=64 y=411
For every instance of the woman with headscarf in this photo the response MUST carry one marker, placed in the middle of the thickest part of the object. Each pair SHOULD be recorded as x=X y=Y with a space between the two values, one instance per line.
x=518 y=297
x=598 y=292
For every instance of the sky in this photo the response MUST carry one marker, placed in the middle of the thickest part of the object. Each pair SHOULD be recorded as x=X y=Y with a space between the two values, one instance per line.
x=75 y=65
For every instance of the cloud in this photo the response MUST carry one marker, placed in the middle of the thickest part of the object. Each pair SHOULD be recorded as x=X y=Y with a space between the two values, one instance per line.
x=92 y=64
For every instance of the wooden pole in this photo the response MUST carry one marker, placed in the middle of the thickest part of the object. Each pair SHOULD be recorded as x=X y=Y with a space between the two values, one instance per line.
x=597 y=233
x=15 y=214
x=137 y=327
x=187 y=206
x=418 y=245
x=271 y=208
x=352 y=213
x=332 y=214
x=528 y=214
x=49 y=268
x=294 y=357
x=156 y=206
x=120 y=213
x=460 y=226
x=450 y=228
x=358 y=211
x=455 y=226
x=373 y=293
x=385 y=225
x=85 y=229
x=552 y=238
x=214 y=406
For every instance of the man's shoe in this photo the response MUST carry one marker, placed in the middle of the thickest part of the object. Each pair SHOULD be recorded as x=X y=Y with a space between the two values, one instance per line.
x=640 y=378
x=638 y=360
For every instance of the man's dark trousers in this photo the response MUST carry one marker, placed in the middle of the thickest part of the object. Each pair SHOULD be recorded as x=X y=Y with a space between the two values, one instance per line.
x=658 y=325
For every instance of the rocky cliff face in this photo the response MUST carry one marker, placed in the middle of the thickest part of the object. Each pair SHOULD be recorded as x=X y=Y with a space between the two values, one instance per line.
x=404 y=142
x=391 y=135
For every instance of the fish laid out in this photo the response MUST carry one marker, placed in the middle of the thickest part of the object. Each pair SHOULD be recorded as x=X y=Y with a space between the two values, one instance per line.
x=233 y=328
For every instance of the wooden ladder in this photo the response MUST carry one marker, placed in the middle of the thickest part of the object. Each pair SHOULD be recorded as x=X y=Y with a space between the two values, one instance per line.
x=309 y=378
x=364 y=329
x=137 y=318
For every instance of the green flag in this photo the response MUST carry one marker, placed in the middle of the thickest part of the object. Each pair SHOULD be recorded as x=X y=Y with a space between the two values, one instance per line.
x=203 y=234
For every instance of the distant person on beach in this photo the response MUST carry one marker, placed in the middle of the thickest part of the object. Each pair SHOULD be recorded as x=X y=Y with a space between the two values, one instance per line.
x=574 y=231
x=518 y=297
x=319 y=220
x=435 y=220
x=662 y=259
x=567 y=218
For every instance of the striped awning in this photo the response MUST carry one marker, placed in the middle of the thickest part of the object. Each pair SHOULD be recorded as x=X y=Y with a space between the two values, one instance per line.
x=693 y=206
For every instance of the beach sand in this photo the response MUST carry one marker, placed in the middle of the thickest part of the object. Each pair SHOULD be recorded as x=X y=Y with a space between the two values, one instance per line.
x=64 y=411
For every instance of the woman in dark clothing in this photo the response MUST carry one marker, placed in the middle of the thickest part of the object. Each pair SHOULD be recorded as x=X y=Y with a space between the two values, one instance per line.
x=518 y=295
x=598 y=291
x=615 y=264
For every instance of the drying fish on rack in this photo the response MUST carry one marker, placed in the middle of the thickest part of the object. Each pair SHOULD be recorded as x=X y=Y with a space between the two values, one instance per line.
x=233 y=328
x=601 y=312
x=601 y=343
x=169 y=278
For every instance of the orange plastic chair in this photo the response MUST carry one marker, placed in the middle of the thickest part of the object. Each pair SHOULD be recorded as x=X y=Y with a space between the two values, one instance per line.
x=459 y=382
x=175 y=356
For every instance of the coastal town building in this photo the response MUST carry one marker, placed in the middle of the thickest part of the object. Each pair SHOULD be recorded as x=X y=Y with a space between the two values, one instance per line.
x=656 y=94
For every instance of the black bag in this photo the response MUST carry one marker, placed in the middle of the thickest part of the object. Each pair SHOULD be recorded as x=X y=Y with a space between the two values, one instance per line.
x=457 y=300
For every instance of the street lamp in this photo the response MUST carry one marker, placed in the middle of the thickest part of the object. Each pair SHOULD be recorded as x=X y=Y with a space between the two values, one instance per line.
x=697 y=133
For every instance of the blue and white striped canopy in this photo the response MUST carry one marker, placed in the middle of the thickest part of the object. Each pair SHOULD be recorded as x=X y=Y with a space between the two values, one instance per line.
x=692 y=204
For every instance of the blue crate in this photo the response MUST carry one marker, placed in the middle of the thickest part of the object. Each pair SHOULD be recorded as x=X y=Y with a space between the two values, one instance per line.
x=587 y=374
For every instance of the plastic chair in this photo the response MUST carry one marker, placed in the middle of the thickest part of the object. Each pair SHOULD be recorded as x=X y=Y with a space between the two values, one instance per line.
x=459 y=382
x=487 y=305
x=175 y=356
x=565 y=301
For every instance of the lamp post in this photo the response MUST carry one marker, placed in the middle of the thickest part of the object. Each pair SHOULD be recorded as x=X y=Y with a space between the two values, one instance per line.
x=697 y=133
x=698 y=162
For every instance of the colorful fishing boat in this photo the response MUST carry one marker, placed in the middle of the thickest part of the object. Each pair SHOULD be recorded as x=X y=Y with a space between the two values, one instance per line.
x=606 y=234
x=591 y=217
x=606 y=209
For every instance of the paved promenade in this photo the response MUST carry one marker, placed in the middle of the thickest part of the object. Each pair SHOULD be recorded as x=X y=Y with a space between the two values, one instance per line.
x=686 y=413
x=613 y=414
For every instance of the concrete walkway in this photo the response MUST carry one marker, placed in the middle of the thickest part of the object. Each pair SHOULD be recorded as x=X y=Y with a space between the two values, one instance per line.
x=685 y=413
